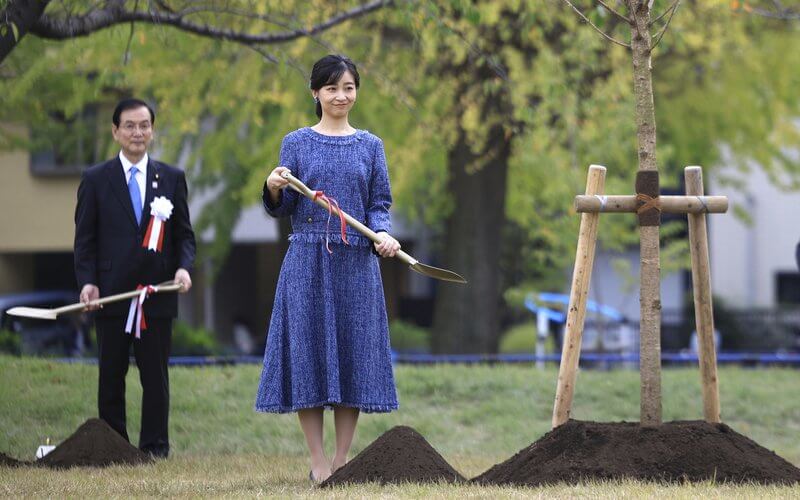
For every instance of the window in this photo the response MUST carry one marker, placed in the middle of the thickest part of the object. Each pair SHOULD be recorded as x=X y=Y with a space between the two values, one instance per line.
x=788 y=287
x=67 y=145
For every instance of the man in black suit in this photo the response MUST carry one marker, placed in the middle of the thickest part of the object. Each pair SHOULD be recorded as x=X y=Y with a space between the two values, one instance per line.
x=112 y=218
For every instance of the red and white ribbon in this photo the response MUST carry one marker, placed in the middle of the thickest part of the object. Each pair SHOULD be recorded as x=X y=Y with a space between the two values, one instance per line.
x=160 y=211
x=136 y=312
x=332 y=203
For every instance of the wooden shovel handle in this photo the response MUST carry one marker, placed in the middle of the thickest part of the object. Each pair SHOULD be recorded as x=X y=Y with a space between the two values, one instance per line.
x=298 y=185
x=167 y=286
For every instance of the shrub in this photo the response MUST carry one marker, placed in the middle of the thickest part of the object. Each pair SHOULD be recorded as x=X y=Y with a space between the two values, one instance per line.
x=10 y=342
x=409 y=337
x=190 y=341
x=521 y=338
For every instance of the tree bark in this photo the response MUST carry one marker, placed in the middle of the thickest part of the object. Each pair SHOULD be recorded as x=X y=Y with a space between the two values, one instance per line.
x=650 y=292
x=23 y=14
x=467 y=318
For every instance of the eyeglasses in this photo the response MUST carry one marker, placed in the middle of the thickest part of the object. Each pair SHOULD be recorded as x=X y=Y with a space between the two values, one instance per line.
x=130 y=127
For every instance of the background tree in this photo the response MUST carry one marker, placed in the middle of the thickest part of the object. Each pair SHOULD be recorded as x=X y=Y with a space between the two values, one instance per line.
x=463 y=95
x=491 y=74
x=561 y=102
x=644 y=37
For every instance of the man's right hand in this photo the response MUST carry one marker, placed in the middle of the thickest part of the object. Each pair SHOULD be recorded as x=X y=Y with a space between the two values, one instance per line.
x=88 y=294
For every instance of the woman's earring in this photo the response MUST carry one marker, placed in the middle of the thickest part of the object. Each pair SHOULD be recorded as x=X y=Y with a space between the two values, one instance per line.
x=316 y=100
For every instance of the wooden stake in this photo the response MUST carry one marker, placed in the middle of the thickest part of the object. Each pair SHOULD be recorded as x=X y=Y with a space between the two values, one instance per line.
x=703 y=307
x=584 y=262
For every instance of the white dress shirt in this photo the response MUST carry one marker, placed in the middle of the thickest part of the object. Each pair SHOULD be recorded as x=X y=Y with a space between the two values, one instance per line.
x=141 y=176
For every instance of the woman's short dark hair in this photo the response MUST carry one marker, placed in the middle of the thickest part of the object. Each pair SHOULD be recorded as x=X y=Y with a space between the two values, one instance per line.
x=329 y=70
x=132 y=103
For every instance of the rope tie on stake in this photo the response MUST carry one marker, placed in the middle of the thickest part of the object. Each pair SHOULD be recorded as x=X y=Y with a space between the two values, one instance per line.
x=603 y=201
x=647 y=203
x=703 y=202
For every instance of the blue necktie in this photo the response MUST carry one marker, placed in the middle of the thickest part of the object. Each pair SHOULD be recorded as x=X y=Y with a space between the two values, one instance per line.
x=136 y=196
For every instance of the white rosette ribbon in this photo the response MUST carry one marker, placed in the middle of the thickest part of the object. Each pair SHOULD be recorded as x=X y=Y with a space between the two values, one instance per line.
x=160 y=211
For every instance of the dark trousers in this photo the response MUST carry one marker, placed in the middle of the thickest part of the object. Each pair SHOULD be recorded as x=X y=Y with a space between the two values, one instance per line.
x=152 y=355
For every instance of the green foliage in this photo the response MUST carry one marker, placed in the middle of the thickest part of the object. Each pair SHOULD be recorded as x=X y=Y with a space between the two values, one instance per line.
x=433 y=73
x=406 y=337
x=522 y=339
x=10 y=342
x=5 y=26
x=190 y=341
x=734 y=85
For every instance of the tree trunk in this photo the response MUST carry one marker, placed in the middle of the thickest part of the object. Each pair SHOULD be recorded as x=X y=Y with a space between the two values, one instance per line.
x=467 y=318
x=23 y=14
x=650 y=292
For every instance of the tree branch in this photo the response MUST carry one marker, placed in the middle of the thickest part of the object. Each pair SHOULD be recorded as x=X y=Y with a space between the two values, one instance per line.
x=586 y=19
x=163 y=5
x=615 y=12
x=266 y=55
x=661 y=16
x=17 y=17
x=210 y=9
x=126 y=57
x=781 y=13
x=660 y=34
x=61 y=28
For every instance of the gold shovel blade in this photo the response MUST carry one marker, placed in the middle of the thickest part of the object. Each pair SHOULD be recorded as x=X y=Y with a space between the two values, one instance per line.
x=439 y=274
x=32 y=312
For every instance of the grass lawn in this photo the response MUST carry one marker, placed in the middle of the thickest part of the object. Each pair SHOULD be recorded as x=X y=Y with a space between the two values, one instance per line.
x=475 y=416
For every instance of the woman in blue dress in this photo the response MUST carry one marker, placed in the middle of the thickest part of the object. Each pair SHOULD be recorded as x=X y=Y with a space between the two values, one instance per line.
x=328 y=340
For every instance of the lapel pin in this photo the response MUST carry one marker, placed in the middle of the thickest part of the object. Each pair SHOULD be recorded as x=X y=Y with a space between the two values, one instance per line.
x=155 y=185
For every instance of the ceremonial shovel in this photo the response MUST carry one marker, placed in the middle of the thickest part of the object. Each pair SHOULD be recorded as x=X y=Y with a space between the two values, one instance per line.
x=414 y=264
x=35 y=312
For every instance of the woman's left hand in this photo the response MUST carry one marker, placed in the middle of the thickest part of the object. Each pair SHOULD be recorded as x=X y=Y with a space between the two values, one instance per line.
x=388 y=246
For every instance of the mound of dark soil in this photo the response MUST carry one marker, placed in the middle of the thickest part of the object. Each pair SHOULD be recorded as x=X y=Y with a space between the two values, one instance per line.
x=94 y=444
x=7 y=461
x=673 y=452
x=400 y=455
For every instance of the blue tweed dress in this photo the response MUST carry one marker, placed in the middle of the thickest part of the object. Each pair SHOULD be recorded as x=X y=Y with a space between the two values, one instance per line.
x=328 y=339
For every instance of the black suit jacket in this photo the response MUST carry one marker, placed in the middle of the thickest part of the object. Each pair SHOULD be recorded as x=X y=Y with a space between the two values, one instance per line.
x=108 y=242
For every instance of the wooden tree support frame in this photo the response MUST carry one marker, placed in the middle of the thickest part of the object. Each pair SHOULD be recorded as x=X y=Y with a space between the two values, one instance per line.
x=695 y=205
x=581 y=275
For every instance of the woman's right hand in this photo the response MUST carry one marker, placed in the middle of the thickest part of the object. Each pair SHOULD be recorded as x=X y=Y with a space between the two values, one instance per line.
x=275 y=182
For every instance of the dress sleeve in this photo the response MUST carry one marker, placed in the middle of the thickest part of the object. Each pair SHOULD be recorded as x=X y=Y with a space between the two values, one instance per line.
x=287 y=200
x=380 y=194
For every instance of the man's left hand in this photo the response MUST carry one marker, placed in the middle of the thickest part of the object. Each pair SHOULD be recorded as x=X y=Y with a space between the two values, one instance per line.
x=182 y=278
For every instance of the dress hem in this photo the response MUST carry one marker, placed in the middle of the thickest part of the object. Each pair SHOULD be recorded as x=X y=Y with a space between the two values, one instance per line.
x=328 y=404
